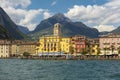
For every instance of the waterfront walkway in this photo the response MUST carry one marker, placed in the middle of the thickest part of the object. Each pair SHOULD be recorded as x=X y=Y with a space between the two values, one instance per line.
x=82 y=57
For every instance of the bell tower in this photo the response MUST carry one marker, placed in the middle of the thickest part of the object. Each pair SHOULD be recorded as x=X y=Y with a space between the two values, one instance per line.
x=57 y=29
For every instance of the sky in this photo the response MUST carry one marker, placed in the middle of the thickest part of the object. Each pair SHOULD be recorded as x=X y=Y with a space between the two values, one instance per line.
x=101 y=14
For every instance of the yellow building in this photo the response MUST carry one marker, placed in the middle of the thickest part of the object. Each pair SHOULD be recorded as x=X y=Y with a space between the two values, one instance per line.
x=49 y=44
x=66 y=45
x=54 y=43
x=93 y=45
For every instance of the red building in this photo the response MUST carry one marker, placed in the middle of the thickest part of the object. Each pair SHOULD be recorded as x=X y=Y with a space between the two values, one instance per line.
x=79 y=43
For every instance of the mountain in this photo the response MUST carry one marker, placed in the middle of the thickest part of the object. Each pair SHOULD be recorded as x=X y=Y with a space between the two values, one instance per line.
x=116 y=31
x=23 y=29
x=104 y=33
x=4 y=34
x=10 y=26
x=57 y=18
x=69 y=28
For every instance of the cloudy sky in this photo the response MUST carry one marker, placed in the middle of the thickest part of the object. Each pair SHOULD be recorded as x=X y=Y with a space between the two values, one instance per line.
x=101 y=14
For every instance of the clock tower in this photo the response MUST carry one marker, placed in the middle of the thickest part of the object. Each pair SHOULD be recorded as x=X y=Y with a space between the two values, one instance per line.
x=57 y=29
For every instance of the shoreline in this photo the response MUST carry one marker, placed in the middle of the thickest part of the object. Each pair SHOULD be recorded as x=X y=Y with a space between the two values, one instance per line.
x=67 y=58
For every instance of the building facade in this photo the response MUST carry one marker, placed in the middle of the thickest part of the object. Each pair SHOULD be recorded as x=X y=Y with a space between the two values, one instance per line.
x=29 y=47
x=109 y=44
x=55 y=43
x=66 y=45
x=49 y=44
x=93 y=46
x=5 y=48
x=19 y=47
x=79 y=43
x=52 y=44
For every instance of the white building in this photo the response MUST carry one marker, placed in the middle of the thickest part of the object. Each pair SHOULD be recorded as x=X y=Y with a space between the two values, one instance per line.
x=5 y=48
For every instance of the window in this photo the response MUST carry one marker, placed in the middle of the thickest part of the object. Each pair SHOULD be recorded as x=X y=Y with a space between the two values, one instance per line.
x=55 y=44
x=48 y=45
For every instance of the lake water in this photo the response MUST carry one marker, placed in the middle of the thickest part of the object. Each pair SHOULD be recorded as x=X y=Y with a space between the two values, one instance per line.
x=17 y=69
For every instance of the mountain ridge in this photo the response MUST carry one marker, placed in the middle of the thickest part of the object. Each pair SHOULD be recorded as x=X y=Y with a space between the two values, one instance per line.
x=45 y=27
x=10 y=26
x=116 y=31
x=4 y=34
x=23 y=29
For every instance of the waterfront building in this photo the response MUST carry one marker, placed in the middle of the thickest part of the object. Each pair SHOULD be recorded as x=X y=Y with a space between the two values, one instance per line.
x=66 y=46
x=49 y=44
x=93 y=46
x=19 y=47
x=5 y=48
x=54 y=43
x=29 y=47
x=15 y=47
x=109 y=44
x=79 y=43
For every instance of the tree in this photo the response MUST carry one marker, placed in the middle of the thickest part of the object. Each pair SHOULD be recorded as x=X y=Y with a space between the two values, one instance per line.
x=90 y=50
x=71 y=50
x=26 y=54
x=84 y=51
x=98 y=51
x=105 y=49
x=119 y=50
x=112 y=48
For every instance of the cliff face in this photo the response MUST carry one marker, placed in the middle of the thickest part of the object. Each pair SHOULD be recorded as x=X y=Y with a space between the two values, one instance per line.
x=4 y=34
x=10 y=26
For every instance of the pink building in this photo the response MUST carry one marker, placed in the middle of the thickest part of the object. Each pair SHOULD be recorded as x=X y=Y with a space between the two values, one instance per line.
x=79 y=42
x=109 y=44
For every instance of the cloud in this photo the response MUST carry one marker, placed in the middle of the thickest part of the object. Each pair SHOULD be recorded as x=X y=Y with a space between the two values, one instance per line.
x=47 y=15
x=15 y=3
x=104 y=27
x=53 y=3
x=21 y=16
x=92 y=15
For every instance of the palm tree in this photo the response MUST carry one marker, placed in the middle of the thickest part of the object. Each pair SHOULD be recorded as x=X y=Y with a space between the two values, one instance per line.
x=105 y=49
x=84 y=51
x=71 y=49
x=118 y=50
x=112 y=48
x=98 y=51
x=90 y=50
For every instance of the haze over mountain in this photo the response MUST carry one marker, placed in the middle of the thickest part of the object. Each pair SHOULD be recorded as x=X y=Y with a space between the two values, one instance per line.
x=116 y=31
x=10 y=26
x=23 y=29
x=69 y=28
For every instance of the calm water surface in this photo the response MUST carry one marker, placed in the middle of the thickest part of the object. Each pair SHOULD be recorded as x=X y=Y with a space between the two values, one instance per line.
x=16 y=69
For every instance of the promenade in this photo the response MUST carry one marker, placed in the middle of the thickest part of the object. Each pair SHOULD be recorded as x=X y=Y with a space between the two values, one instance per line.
x=71 y=57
